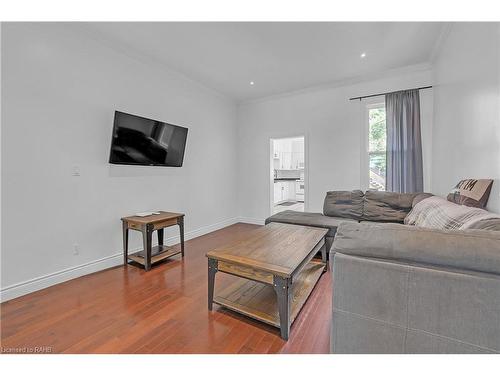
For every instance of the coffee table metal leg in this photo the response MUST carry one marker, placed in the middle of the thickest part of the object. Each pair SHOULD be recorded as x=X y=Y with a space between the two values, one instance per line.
x=323 y=256
x=212 y=270
x=283 y=292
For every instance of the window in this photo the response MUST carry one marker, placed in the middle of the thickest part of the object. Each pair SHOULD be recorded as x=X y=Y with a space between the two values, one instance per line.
x=377 y=136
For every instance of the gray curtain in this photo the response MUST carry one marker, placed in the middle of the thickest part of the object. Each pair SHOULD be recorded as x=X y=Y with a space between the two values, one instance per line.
x=404 y=142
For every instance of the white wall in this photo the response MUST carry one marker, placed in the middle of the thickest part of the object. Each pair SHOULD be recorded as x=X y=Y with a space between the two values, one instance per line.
x=467 y=108
x=60 y=88
x=59 y=92
x=334 y=129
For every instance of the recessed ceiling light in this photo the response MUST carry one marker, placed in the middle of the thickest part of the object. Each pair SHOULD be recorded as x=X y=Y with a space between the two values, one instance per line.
x=363 y=55
x=252 y=83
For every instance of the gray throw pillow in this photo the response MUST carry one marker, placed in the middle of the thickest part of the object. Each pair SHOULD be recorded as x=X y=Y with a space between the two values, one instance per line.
x=348 y=204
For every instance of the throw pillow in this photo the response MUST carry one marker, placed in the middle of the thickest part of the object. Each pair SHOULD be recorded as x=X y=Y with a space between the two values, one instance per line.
x=473 y=193
x=438 y=213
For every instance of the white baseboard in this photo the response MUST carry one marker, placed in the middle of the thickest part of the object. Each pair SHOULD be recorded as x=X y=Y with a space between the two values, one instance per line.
x=42 y=282
x=251 y=220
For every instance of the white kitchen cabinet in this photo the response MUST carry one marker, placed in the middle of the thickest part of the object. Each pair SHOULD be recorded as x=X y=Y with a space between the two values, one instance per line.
x=277 y=192
x=291 y=190
x=287 y=160
x=284 y=191
x=297 y=160
x=288 y=153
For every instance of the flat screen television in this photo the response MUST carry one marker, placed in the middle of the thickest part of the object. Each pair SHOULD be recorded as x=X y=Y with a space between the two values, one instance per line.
x=141 y=141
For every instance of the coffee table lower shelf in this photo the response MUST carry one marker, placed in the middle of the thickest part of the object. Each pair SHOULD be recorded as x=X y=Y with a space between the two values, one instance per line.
x=259 y=301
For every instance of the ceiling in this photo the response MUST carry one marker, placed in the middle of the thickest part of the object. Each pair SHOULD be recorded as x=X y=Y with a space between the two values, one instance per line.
x=277 y=57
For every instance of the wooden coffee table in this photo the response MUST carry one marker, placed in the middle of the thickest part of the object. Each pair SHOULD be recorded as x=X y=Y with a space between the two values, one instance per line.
x=276 y=272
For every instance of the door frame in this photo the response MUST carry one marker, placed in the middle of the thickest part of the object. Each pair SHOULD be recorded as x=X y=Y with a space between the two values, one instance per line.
x=271 y=169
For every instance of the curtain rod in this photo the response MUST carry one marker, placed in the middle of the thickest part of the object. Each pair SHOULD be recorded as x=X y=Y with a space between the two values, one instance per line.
x=371 y=96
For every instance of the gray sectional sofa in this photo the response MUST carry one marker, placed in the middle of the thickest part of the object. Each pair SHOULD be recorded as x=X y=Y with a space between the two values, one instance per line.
x=353 y=206
x=405 y=289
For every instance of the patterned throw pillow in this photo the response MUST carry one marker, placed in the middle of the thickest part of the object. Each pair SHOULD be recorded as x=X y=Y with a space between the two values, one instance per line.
x=437 y=213
x=473 y=193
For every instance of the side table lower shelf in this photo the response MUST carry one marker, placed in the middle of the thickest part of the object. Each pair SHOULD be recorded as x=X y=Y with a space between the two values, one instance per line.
x=158 y=253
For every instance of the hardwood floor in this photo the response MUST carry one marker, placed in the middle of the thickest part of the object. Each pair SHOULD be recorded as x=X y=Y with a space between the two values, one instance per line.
x=128 y=310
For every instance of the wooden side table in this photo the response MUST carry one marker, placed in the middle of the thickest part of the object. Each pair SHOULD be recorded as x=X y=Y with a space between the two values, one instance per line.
x=146 y=225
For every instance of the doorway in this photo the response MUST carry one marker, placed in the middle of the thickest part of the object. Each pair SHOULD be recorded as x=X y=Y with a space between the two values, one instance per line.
x=287 y=174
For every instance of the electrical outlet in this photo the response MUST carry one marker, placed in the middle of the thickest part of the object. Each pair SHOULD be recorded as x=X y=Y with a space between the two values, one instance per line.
x=76 y=249
x=76 y=171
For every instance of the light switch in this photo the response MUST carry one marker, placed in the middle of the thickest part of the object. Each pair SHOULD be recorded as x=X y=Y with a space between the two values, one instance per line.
x=76 y=171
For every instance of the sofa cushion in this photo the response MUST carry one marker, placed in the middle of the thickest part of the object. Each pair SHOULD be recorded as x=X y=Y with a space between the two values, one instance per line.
x=420 y=197
x=471 y=249
x=387 y=206
x=348 y=204
x=471 y=192
x=310 y=219
x=487 y=224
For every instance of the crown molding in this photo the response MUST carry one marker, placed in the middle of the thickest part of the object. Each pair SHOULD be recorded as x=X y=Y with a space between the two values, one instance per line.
x=143 y=58
x=440 y=40
x=426 y=66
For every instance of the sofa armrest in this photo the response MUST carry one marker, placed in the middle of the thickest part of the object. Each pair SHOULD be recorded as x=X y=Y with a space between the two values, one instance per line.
x=474 y=250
